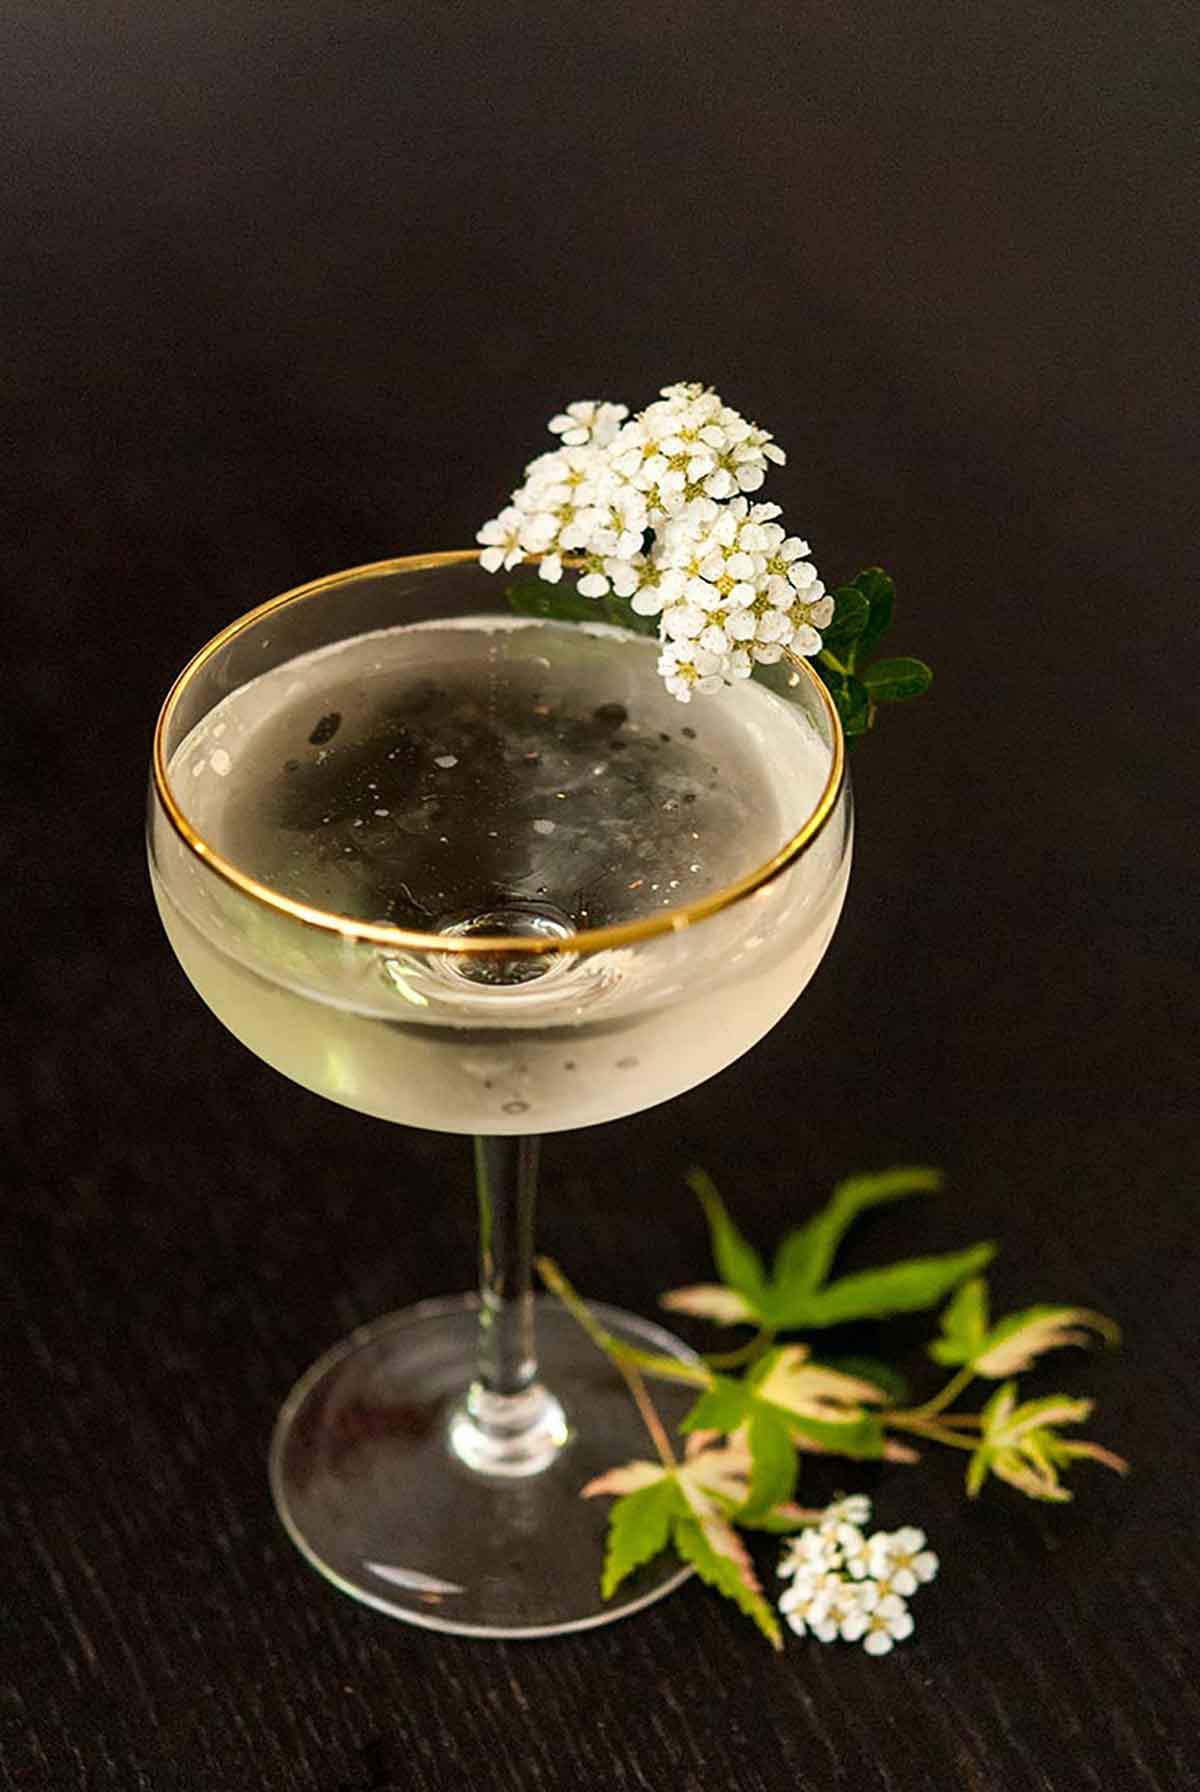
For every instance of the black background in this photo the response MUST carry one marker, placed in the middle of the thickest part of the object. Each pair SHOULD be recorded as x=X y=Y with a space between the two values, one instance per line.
x=294 y=288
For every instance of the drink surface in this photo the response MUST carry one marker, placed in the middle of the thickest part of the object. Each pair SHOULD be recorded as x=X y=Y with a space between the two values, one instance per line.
x=497 y=775
x=427 y=775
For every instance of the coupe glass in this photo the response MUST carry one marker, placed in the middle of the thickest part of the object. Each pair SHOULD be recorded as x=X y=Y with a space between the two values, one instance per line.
x=480 y=873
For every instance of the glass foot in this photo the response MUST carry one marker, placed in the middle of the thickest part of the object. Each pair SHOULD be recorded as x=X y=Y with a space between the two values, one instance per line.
x=371 y=1491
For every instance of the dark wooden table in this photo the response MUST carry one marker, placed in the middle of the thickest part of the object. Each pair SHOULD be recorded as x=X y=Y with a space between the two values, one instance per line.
x=294 y=288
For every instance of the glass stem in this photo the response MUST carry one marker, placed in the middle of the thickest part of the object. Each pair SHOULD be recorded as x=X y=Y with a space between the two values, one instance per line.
x=506 y=1184
x=508 y=1423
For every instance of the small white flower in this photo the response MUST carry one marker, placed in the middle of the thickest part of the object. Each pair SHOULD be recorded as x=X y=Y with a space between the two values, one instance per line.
x=773 y=625
x=747 y=450
x=855 y=1557
x=901 y=1559
x=818 y=612
x=814 y=1606
x=625 y=576
x=878 y=1622
x=541 y=531
x=589 y=421
x=715 y=639
x=854 y=1508
x=649 y=597
x=806 y=640
x=817 y=1548
x=617 y=529
x=683 y=622
x=687 y=667
x=550 y=568
x=801 y=574
x=602 y=575
x=502 y=541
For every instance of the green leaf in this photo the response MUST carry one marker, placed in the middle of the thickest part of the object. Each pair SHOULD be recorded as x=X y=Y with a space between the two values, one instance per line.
x=860 y=1439
x=784 y=1521
x=1017 y=1340
x=1049 y=1409
x=877 y=1293
x=849 y=697
x=563 y=603
x=621 y=613
x=853 y=704
x=723 y=1573
x=862 y=614
x=1019 y=1444
x=885 y=1376
x=879 y=591
x=728 y=1405
x=851 y=615
x=639 y=1526
x=977 y=1471
x=805 y=1256
x=772 y=1463
x=555 y=603
x=737 y=1261
x=722 y=1407
x=964 y=1325
x=895 y=681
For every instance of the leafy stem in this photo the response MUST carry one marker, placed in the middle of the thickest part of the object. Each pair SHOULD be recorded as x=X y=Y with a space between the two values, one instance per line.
x=938 y=1434
x=949 y=1394
x=745 y=1355
x=649 y=1412
x=604 y=1341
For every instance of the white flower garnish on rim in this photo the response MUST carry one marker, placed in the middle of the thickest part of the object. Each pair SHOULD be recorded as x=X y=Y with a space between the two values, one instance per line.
x=653 y=509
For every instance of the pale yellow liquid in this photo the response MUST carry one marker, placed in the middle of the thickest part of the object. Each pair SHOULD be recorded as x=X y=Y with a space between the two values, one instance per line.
x=478 y=766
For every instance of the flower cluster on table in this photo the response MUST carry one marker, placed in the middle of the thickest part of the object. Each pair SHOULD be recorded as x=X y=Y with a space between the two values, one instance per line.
x=848 y=1585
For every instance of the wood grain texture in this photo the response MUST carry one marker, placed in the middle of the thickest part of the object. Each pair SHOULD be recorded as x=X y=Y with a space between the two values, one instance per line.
x=294 y=290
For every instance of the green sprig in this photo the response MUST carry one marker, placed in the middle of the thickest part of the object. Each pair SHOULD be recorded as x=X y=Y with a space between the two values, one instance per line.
x=744 y=1437
x=797 y=1294
x=857 y=683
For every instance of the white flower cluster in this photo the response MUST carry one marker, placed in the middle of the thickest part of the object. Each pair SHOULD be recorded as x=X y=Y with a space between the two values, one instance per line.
x=729 y=586
x=846 y=1584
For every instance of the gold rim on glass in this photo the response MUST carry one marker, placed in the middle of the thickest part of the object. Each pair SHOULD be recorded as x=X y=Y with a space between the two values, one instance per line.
x=590 y=939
